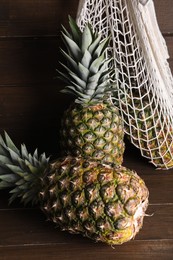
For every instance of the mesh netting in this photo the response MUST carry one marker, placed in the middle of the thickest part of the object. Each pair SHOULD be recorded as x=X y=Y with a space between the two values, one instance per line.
x=143 y=78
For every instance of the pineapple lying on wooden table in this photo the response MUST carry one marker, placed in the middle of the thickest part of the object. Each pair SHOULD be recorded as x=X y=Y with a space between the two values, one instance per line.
x=105 y=203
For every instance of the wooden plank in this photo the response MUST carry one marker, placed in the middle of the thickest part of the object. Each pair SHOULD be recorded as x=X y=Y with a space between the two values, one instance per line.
x=34 y=17
x=35 y=60
x=164 y=13
x=160 y=186
x=162 y=250
x=25 y=233
x=28 y=60
x=30 y=110
x=32 y=115
x=20 y=102
x=169 y=42
x=28 y=226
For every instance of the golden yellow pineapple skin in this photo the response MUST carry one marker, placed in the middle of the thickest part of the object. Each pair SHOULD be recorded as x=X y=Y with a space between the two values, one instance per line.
x=102 y=202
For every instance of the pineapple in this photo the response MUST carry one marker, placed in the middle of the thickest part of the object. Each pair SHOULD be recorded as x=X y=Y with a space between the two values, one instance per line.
x=149 y=131
x=91 y=126
x=103 y=202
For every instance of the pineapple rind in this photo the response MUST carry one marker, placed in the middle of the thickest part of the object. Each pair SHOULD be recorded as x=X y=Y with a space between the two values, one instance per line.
x=94 y=131
x=150 y=133
x=100 y=201
x=85 y=197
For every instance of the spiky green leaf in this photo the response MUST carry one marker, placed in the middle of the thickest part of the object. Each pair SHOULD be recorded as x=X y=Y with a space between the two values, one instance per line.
x=70 y=60
x=83 y=72
x=101 y=48
x=4 y=160
x=95 y=65
x=66 y=32
x=78 y=80
x=20 y=182
x=14 y=168
x=10 y=178
x=86 y=59
x=10 y=144
x=5 y=185
x=3 y=149
x=90 y=91
x=76 y=93
x=14 y=156
x=94 y=44
x=76 y=32
x=35 y=155
x=72 y=88
x=32 y=168
x=87 y=68
x=20 y=170
x=2 y=142
x=16 y=191
x=73 y=48
x=91 y=87
x=86 y=38
x=24 y=152
x=65 y=77
x=94 y=78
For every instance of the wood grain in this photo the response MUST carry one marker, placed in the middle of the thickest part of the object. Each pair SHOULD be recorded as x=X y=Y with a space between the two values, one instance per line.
x=152 y=249
x=34 y=17
x=35 y=60
x=164 y=11
x=31 y=107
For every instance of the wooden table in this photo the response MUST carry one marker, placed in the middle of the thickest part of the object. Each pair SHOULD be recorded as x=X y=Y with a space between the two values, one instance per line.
x=24 y=233
x=30 y=109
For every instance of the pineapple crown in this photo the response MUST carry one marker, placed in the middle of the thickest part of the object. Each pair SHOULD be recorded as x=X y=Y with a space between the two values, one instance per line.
x=87 y=72
x=20 y=171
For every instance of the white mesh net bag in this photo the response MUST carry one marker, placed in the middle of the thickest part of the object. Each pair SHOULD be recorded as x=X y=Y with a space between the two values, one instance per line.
x=143 y=78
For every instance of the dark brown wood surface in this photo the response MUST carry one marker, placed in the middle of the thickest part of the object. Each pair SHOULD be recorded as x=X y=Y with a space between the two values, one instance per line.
x=30 y=111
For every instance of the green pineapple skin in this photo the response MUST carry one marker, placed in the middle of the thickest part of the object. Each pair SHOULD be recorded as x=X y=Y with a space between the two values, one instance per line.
x=99 y=201
x=95 y=131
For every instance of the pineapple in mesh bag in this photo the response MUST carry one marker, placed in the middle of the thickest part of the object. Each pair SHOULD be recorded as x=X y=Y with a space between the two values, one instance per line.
x=143 y=78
